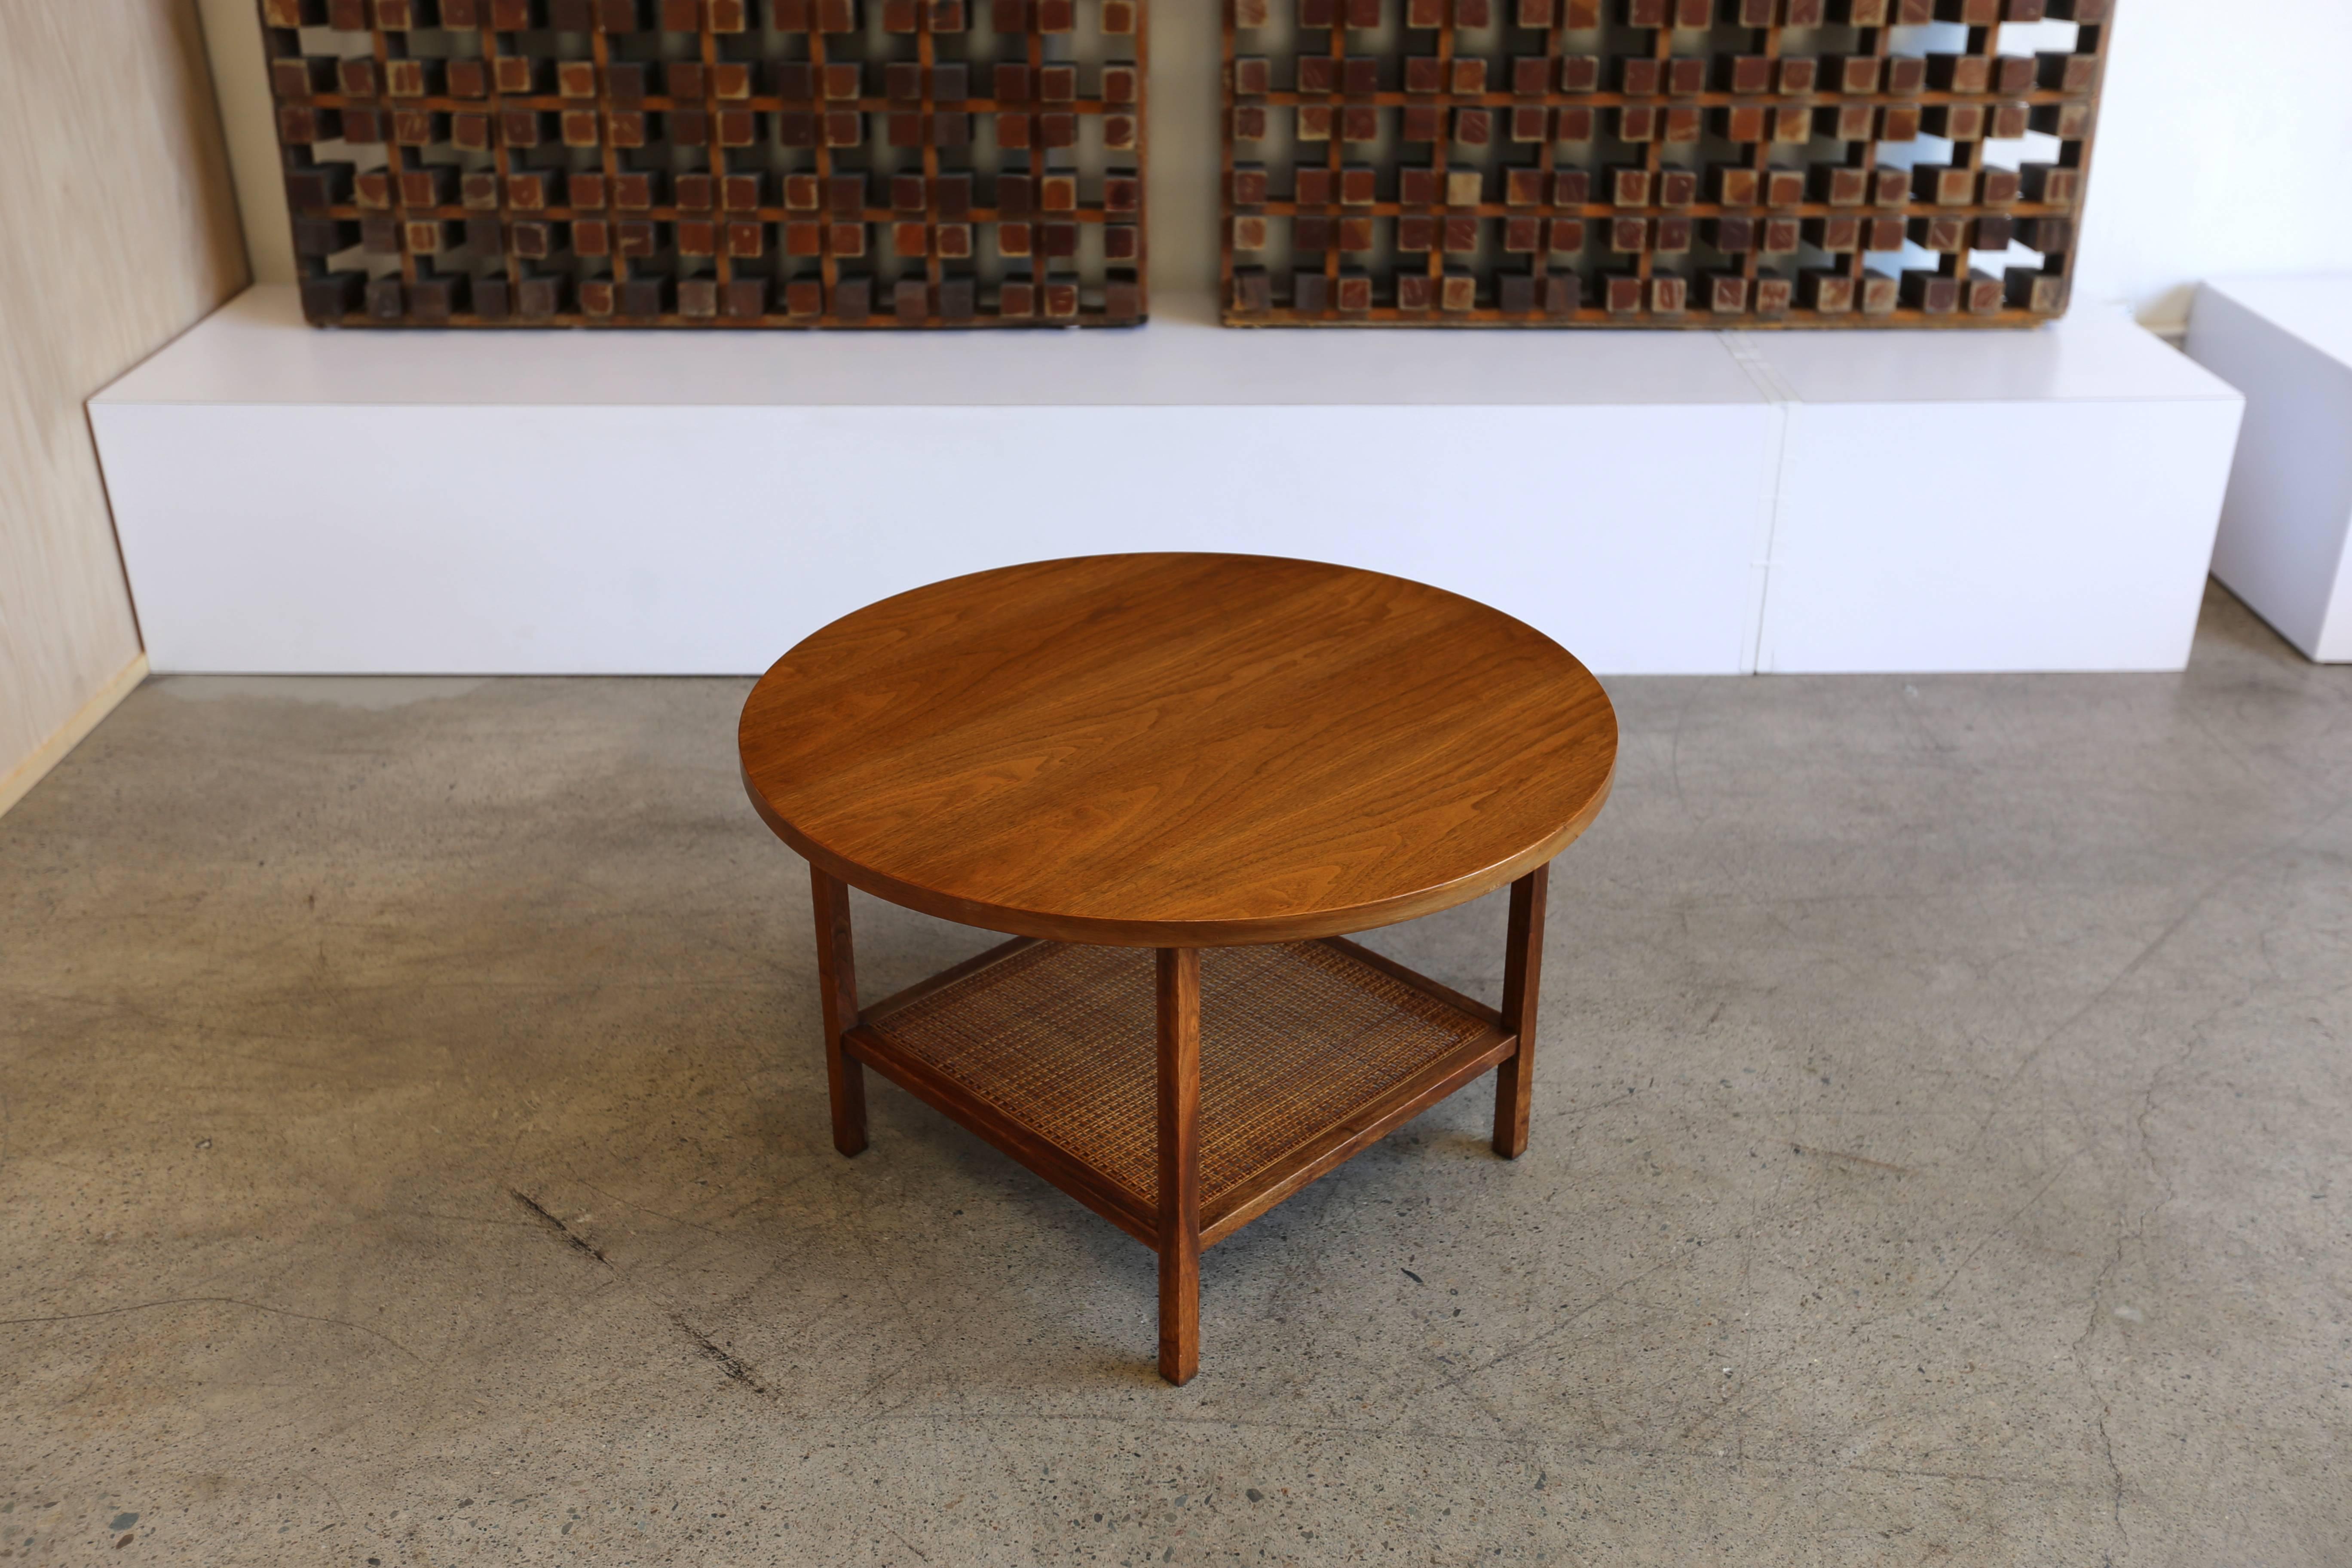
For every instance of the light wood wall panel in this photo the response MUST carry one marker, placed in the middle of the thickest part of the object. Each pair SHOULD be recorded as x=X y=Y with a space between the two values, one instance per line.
x=241 y=77
x=118 y=231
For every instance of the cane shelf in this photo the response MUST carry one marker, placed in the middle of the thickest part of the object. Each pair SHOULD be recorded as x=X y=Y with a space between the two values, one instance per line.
x=1308 y=1052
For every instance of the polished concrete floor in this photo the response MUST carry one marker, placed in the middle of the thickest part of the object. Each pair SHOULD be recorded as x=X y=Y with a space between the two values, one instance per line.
x=413 y=1151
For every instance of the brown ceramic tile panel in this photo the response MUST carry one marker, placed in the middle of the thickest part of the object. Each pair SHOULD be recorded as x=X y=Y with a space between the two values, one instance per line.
x=1656 y=162
x=886 y=164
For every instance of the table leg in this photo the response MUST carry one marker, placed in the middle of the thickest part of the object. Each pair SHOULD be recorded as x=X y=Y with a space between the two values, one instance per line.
x=1522 y=980
x=1179 y=1163
x=836 y=977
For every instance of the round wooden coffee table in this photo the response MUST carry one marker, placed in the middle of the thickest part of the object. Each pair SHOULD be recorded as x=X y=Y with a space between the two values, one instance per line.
x=1233 y=753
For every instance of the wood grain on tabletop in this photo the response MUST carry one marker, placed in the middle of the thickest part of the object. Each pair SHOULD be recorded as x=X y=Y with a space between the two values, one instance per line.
x=1178 y=749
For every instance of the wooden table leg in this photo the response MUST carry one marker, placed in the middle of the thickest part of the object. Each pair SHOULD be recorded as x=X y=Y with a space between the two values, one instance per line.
x=1522 y=980
x=836 y=977
x=1179 y=1163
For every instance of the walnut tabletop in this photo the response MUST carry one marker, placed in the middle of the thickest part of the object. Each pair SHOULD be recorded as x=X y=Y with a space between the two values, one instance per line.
x=1177 y=750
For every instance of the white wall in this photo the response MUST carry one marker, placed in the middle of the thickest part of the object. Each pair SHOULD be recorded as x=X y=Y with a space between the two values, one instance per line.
x=2221 y=149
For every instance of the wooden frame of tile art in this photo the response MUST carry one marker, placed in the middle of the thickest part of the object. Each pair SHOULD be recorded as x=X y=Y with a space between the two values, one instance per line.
x=1656 y=162
x=898 y=164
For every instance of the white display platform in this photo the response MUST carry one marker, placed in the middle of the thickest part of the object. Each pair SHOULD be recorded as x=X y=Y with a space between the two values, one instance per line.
x=352 y=502
x=2285 y=544
x=1958 y=502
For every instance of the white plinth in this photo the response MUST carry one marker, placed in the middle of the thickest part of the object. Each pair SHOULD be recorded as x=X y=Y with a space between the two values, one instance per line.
x=1977 y=501
x=2286 y=342
x=294 y=501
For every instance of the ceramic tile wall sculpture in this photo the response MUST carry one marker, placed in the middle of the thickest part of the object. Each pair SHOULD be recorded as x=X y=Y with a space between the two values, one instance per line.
x=714 y=163
x=1656 y=162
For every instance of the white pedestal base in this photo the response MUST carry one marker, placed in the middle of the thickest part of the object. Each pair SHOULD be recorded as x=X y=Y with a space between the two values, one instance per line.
x=359 y=502
x=1976 y=501
x=2286 y=342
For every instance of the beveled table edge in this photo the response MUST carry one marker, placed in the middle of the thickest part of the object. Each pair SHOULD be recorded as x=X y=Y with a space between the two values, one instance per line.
x=1105 y=932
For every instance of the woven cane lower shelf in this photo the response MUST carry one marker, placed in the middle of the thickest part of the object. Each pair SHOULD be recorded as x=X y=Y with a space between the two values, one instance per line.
x=1310 y=1051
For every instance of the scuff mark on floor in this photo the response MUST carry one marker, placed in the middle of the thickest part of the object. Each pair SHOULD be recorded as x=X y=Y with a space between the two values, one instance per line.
x=728 y=1363
x=561 y=1229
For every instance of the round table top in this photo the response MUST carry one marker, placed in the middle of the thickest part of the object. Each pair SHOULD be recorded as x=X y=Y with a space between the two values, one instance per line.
x=1177 y=750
